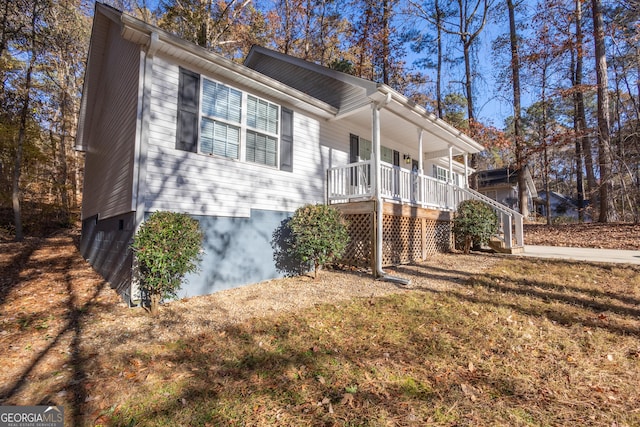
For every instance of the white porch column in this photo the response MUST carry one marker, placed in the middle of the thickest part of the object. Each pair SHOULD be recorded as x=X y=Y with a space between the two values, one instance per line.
x=420 y=165
x=375 y=150
x=451 y=164
x=375 y=175
x=466 y=170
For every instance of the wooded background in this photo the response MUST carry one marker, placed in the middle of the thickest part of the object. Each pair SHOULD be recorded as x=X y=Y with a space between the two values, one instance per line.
x=568 y=69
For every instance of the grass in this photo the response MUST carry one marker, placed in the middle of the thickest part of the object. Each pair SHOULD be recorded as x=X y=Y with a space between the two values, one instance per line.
x=530 y=342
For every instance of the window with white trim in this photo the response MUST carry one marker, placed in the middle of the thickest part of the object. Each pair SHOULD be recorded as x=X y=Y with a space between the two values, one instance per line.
x=262 y=131
x=442 y=174
x=216 y=119
x=220 y=121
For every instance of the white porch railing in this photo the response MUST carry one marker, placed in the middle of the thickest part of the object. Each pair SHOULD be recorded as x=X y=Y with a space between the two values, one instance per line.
x=349 y=182
x=353 y=182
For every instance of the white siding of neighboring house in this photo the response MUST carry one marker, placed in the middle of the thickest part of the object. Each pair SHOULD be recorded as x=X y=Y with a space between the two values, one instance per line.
x=109 y=162
x=214 y=186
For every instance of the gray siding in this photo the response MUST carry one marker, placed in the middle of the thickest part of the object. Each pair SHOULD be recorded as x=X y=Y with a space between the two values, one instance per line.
x=105 y=245
x=110 y=130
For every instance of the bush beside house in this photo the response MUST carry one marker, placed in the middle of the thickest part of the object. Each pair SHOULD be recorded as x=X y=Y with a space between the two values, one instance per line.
x=474 y=224
x=166 y=246
x=319 y=235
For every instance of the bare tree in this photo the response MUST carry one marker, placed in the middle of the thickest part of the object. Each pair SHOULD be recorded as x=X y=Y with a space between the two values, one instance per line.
x=607 y=208
x=32 y=49
x=517 y=115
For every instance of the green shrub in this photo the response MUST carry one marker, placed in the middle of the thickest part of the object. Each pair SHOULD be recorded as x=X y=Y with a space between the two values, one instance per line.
x=474 y=223
x=319 y=235
x=166 y=246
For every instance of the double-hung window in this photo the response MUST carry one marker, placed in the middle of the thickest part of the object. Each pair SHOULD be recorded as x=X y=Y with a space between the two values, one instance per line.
x=220 y=122
x=214 y=118
x=262 y=131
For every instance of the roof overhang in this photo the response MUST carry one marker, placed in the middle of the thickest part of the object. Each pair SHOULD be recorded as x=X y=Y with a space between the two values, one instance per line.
x=403 y=120
x=205 y=61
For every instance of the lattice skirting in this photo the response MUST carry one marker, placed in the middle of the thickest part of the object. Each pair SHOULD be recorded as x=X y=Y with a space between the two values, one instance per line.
x=359 y=252
x=438 y=236
x=405 y=239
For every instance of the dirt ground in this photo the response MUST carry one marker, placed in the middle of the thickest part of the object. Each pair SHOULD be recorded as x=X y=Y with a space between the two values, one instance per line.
x=59 y=320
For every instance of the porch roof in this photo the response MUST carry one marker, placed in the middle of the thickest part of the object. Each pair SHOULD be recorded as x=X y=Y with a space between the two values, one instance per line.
x=352 y=97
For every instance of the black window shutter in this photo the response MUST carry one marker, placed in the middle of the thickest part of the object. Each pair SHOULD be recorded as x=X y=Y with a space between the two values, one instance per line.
x=286 y=141
x=188 y=110
x=396 y=158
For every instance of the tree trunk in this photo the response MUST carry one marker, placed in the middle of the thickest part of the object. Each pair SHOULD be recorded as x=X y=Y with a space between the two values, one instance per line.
x=579 y=118
x=523 y=201
x=62 y=159
x=386 y=17
x=154 y=304
x=439 y=63
x=587 y=149
x=607 y=208
x=22 y=131
x=547 y=187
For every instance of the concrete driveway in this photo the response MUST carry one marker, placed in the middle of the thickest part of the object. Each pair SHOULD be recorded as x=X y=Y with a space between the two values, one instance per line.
x=583 y=254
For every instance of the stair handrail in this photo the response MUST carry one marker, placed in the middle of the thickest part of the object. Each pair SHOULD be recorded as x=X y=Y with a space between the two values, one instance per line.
x=517 y=217
x=495 y=204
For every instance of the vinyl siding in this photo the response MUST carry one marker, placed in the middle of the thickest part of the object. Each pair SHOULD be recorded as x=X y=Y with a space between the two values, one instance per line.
x=111 y=130
x=215 y=186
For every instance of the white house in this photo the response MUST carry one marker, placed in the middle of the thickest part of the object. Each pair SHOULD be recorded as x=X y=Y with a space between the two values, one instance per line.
x=168 y=125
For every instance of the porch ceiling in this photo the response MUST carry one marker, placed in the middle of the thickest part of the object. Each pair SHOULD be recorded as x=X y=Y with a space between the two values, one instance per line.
x=403 y=131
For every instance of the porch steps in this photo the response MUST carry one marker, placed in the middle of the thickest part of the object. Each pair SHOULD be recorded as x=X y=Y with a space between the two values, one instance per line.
x=498 y=245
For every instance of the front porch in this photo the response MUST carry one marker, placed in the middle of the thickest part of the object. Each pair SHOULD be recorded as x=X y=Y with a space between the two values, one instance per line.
x=353 y=182
x=417 y=213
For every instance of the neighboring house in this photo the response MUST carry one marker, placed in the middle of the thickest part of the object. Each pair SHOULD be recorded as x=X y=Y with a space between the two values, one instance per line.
x=501 y=185
x=168 y=125
x=562 y=207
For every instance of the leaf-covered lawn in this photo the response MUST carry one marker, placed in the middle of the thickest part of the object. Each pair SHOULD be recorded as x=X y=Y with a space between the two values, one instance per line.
x=525 y=342
x=587 y=235
x=528 y=343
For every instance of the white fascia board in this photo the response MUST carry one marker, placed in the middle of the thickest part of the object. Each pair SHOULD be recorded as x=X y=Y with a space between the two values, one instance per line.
x=455 y=137
x=457 y=166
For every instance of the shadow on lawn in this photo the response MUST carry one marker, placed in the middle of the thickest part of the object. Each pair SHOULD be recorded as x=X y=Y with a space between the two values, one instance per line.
x=591 y=301
x=78 y=303
x=238 y=368
x=15 y=266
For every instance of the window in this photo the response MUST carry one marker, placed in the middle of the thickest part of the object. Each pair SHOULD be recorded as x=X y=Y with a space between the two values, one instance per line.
x=442 y=174
x=262 y=143
x=261 y=148
x=361 y=149
x=214 y=118
x=220 y=122
x=219 y=138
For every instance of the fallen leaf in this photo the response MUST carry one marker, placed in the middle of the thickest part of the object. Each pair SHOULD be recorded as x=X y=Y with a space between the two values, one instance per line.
x=347 y=398
x=468 y=391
